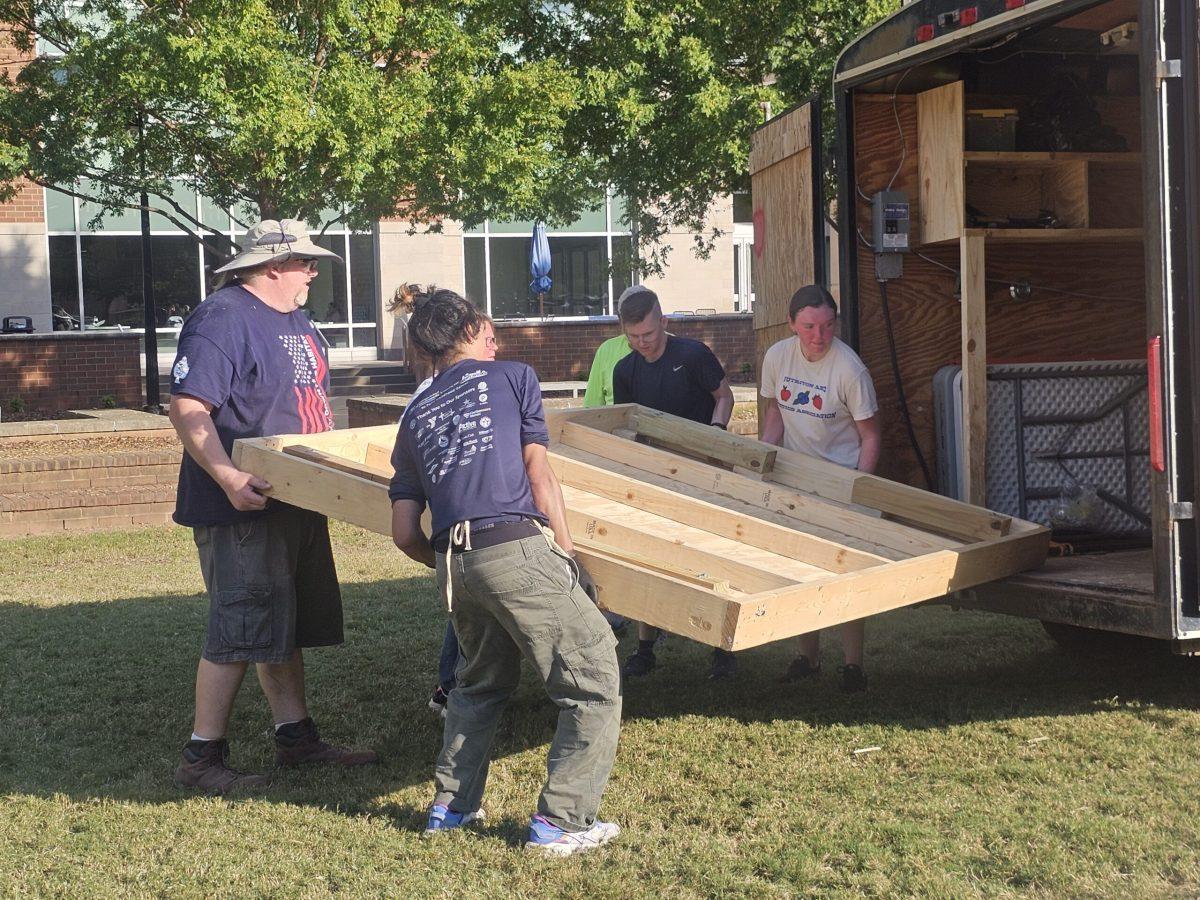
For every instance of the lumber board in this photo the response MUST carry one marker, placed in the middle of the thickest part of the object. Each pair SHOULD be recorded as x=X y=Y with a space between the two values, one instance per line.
x=379 y=457
x=846 y=598
x=732 y=449
x=340 y=495
x=340 y=463
x=704 y=509
x=748 y=569
x=662 y=601
x=939 y=139
x=974 y=368
x=605 y=418
x=655 y=565
x=838 y=523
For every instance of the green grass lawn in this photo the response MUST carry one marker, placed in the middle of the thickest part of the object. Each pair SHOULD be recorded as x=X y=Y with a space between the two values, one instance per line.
x=1004 y=767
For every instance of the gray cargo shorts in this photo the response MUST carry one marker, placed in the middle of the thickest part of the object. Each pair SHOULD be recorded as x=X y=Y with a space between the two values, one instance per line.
x=272 y=586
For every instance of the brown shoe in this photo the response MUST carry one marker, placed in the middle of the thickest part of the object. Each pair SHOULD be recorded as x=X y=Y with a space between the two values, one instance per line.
x=299 y=744
x=203 y=768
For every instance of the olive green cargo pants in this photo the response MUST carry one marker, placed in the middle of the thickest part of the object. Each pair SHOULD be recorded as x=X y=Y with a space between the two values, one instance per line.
x=522 y=599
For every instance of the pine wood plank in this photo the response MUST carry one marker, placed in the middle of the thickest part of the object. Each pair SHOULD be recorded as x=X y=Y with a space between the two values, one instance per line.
x=848 y=597
x=338 y=494
x=974 y=368
x=841 y=524
x=712 y=442
x=704 y=509
x=939 y=137
x=748 y=569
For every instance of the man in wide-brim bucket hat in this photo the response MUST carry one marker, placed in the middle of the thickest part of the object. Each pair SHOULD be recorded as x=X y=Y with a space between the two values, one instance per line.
x=274 y=241
x=250 y=363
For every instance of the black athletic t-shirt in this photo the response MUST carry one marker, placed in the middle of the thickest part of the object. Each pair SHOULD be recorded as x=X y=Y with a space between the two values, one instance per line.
x=680 y=382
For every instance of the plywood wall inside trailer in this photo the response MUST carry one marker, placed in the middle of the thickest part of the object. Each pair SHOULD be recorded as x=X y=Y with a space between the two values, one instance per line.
x=925 y=313
x=781 y=193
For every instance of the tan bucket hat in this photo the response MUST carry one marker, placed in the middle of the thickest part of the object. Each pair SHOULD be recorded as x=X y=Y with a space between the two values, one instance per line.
x=273 y=241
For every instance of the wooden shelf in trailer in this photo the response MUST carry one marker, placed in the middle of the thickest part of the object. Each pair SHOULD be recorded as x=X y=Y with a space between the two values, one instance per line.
x=714 y=536
x=1058 y=235
x=1035 y=158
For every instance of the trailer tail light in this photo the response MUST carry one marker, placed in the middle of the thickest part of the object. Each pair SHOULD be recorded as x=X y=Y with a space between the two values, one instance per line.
x=924 y=33
x=1158 y=455
x=969 y=16
x=1013 y=4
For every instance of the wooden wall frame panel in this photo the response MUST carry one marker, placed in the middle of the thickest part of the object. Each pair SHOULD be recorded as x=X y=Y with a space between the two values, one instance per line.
x=724 y=567
x=836 y=522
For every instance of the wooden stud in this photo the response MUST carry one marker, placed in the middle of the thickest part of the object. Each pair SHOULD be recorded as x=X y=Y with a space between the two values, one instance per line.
x=704 y=509
x=839 y=523
x=974 y=368
x=731 y=449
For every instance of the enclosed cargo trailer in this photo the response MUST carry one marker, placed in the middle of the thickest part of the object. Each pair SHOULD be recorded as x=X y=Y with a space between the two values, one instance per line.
x=1065 y=231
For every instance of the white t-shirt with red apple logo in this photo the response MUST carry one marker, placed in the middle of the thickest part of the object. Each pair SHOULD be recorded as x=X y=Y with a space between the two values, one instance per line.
x=819 y=401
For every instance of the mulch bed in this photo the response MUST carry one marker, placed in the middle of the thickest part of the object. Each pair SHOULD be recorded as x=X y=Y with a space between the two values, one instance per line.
x=105 y=442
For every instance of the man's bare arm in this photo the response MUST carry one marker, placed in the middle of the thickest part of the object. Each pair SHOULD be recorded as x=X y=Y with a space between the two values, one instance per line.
x=193 y=423
x=407 y=533
x=547 y=494
x=772 y=430
x=724 y=407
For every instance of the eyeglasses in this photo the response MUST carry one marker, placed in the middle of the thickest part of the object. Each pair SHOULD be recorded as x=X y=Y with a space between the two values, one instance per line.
x=308 y=262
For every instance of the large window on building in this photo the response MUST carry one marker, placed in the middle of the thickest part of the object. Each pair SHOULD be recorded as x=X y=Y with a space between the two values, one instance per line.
x=591 y=263
x=96 y=272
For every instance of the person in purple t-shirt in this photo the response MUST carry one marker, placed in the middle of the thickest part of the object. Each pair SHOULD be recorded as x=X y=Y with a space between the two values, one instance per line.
x=251 y=364
x=472 y=447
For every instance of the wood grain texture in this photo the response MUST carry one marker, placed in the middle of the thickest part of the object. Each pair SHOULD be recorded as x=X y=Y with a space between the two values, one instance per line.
x=926 y=314
x=974 y=368
x=939 y=139
x=781 y=138
x=782 y=199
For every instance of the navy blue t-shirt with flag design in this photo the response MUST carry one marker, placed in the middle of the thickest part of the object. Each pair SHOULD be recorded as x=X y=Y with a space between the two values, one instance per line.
x=264 y=372
x=460 y=445
x=680 y=382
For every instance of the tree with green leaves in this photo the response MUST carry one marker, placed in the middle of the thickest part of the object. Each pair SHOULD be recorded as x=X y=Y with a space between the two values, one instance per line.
x=672 y=89
x=269 y=109
x=428 y=109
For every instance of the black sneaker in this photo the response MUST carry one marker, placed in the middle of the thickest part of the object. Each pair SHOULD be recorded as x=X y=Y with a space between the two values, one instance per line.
x=724 y=664
x=853 y=679
x=641 y=663
x=800 y=669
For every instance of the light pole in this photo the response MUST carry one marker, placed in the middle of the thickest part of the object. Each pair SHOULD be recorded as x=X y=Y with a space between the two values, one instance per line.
x=150 y=320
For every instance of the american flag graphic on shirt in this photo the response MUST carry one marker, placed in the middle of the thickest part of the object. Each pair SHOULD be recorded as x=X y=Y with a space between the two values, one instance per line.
x=312 y=403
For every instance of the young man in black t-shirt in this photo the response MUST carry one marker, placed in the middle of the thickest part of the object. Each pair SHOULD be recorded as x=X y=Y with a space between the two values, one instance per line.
x=679 y=376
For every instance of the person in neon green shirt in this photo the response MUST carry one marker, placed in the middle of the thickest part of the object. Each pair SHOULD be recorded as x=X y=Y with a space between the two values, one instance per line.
x=600 y=386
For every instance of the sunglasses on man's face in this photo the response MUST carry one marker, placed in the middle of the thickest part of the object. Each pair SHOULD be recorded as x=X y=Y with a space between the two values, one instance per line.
x=307 y=262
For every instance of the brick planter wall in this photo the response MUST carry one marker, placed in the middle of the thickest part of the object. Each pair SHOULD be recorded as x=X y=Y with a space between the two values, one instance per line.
x=563 y=351
x=86 y=491
x=70 y=370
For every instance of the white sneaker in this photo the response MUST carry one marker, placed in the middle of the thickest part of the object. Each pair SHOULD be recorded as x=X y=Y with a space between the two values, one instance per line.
x=551 y=840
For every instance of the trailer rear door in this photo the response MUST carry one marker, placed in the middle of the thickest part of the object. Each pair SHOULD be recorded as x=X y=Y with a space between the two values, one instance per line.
x=789 y=235
x=1171 y=85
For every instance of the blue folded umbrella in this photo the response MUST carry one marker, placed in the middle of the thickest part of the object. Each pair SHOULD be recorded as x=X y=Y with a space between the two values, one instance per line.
x=539 y=260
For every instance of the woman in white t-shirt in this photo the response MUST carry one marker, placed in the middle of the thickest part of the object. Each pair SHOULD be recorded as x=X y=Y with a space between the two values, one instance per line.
x=822 y=403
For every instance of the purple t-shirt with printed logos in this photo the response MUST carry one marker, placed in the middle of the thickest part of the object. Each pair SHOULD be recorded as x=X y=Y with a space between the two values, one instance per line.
x=460 y=446
x=264 y=372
